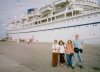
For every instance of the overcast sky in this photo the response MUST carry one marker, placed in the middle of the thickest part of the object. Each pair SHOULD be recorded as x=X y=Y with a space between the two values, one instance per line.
x=11 y=8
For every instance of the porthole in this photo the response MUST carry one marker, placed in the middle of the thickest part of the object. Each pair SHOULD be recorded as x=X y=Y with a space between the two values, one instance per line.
x=86 y=25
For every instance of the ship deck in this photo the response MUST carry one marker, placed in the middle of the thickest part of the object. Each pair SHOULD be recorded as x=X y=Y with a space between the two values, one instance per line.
x=36 y=57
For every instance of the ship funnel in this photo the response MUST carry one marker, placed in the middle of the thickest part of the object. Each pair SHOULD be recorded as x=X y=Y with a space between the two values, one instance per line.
x=31 y=11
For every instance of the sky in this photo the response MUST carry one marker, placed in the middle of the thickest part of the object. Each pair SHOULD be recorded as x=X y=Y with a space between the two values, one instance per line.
x=11 y=8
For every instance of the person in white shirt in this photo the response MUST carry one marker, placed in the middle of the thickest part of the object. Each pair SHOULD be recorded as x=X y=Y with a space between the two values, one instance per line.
x=55 y=48
x=62 y=52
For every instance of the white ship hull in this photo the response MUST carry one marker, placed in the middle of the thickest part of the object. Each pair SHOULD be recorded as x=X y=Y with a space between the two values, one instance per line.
x=86 y=25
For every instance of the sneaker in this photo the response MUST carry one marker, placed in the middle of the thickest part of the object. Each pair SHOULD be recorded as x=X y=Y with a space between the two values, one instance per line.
x=81 y=66
x=72 y=67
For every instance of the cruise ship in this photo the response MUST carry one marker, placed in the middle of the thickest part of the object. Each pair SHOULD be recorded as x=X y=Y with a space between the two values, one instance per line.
x=60 y=20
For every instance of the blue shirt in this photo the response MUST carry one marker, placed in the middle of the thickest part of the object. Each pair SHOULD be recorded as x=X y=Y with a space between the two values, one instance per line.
x=78 y=43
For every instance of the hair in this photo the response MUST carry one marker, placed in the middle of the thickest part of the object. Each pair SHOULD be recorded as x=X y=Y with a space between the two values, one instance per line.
x=55 y=40
x=70 y=42
x=76 y=34
x=60 y=42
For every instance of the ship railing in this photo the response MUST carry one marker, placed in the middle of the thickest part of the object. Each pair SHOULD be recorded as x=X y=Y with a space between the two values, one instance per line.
x=58 y=2
x=59 y=10
x=87 y=3
x=90 y=10
x=45 y=14
x=30 y=15
x=24 y=16
x=46 y=8
x=54 y=18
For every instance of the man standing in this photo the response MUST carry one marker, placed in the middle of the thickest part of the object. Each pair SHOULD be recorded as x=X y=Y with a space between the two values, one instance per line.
x=78 y=50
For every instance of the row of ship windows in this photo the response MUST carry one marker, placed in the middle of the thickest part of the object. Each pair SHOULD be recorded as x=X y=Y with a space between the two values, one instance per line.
x=38 y=23
x=91 y=1
x=75 y=27
x=62 y=16
x=32 y=24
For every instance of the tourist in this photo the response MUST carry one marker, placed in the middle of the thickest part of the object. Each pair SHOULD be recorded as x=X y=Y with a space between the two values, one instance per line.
x=69 y=50
x=55 y=48
x=78 y=50
x=62 y=52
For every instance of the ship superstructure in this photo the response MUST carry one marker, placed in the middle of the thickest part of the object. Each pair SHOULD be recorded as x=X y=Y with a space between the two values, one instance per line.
x=60 y=20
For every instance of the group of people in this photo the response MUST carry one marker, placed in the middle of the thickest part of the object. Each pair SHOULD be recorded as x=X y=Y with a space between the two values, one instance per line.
x=69 y=53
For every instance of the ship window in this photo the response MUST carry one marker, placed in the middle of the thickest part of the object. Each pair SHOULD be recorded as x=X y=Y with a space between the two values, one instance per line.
x=49 y=19
x=30 y=19
x=44 y=20
x=36 y=23
x=39 y=21
x=53 y=18
x=89 y=17
x=76 y=12
x=69 y=14
x=53 y=13
x=60 y=16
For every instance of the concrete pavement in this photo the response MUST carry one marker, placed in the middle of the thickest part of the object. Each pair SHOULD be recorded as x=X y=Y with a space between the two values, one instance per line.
x=36 y=57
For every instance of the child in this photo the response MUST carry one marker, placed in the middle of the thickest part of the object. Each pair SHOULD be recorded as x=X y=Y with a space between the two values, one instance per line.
x=55 y=48
x=62 y=52
x=69 y=50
